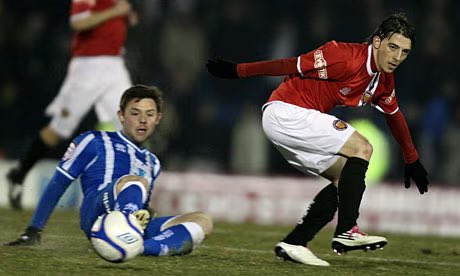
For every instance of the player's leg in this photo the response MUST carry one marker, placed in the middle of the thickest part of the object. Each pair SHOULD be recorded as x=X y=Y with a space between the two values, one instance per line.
x=113 y=83
x=320 y=211
x=47 y=138
x=42 y=143
x=318 y=214
x=131 y=196
x=350 y=190
x=179 y=235
x=127 y=194
x=351 y=185
x=308 y=140
x=76 y=96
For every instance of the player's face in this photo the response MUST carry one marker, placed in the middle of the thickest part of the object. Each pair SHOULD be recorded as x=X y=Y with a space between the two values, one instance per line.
x=390 y=51
x=139 y=119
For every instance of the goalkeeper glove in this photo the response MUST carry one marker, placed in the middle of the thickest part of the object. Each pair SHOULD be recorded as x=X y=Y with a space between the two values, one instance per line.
x=30 y=237
x=417 y=172
x=221 y=68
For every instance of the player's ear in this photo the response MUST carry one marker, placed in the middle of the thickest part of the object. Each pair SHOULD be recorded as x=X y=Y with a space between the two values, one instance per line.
x=376 y=41
x=160 y=115
x=120 y=116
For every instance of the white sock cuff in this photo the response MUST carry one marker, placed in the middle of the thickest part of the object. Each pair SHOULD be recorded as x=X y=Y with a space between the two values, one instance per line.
x=195 y=231
x=141 y=186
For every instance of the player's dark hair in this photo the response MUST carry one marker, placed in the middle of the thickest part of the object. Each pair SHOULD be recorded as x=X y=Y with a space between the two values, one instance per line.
x=141 y=92
x=396 y=23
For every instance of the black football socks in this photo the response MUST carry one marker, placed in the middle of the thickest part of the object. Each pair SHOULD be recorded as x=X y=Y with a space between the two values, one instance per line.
x=35 y=152
x=319 y=213
x=351 y=189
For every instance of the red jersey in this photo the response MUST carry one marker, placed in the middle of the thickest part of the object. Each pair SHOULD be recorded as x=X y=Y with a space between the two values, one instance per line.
x=105 y=39
x=338 y=74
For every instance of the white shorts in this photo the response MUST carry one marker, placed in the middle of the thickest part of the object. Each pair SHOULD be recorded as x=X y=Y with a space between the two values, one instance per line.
x=308 y=139
x=90 y=82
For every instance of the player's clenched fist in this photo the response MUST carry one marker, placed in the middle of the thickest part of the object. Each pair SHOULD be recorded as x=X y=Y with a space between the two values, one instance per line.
x=221 y=68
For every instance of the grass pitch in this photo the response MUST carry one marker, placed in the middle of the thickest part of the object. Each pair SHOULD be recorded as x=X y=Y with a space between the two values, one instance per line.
x=233 y=249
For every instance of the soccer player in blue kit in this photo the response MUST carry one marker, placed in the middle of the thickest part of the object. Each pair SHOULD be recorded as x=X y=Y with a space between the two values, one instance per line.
x=117 y=173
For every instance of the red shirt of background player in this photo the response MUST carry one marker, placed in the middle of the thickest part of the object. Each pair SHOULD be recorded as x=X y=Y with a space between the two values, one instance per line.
x=106 y=39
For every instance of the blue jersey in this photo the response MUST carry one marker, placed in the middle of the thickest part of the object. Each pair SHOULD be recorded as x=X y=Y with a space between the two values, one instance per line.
x=99 y=158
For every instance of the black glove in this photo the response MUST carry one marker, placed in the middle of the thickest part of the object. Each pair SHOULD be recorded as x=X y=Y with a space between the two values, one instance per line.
x=30 y=237
x=417 y=172
x=221 y=68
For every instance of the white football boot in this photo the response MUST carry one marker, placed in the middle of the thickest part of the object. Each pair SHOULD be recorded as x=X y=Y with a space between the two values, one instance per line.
x=353 y=239
x=298 y=254
x=143 y=216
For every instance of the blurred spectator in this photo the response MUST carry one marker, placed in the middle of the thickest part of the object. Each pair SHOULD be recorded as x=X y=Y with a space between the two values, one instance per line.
x=437 y=117
x=249 y=153
x=449 y=162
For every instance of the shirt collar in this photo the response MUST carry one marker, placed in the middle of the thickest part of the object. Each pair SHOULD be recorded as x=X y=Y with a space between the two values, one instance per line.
x=370 y=63
x=127 y=140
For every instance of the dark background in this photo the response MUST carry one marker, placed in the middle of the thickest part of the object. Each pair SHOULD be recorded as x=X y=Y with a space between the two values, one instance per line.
x=212 y=124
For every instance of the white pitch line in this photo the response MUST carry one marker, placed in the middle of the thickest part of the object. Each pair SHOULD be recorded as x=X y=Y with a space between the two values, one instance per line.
x=376 y=259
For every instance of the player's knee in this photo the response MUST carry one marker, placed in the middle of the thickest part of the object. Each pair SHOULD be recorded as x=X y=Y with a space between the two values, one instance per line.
x=130 y=179
x=367 y=150
x=363 y=149
x=204 y=221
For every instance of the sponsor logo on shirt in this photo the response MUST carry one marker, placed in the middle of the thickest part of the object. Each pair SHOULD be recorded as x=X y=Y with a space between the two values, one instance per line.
x=345 y=90
x=339 y=125
x=120 y=147
x=320 y=64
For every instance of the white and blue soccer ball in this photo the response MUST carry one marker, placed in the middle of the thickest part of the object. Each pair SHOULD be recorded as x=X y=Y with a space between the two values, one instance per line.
x=117 y=237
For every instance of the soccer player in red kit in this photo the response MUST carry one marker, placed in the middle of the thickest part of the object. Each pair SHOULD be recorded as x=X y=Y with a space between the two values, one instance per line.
x=296 y=120
x=96 y=77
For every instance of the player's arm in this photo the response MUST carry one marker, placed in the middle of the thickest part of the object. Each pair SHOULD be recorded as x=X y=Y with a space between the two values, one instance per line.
x=400 y=131
x=414 y=168
x=222 y=68
x=326 y=62
x=53 y=192
x=87 y=20
x=80 y=153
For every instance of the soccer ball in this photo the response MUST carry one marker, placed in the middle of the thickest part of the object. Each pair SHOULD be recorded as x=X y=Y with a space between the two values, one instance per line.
x=117 y=237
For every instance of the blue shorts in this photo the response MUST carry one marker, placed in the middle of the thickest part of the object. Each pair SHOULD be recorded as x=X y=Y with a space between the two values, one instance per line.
x=103 y=201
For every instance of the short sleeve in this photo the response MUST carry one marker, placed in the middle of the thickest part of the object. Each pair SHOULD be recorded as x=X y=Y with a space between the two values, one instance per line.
x=81 y=8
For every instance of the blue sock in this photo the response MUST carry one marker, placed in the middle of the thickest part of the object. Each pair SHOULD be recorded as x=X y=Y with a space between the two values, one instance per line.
x=130 y=199
x=175 y=240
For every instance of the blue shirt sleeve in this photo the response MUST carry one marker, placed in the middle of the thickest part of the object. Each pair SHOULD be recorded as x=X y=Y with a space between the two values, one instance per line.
x=81 y=152
x=53 y=192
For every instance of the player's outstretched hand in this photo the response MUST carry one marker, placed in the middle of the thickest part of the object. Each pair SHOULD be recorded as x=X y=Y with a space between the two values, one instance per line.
x=30 y=237
x=221 y=68
x=417 y=172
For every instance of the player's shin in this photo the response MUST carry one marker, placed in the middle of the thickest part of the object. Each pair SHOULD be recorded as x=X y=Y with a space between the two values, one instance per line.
x=351 y=189
x=179 y=239
x=319 y=213
x=130 y=198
